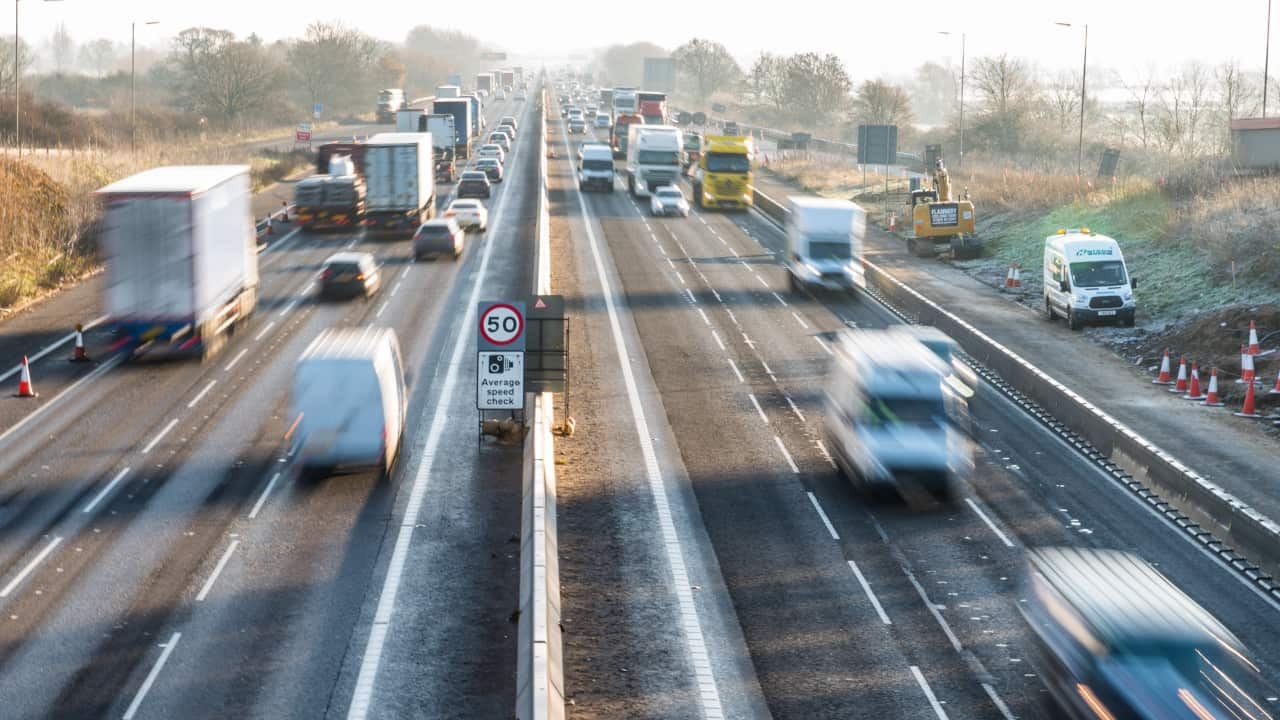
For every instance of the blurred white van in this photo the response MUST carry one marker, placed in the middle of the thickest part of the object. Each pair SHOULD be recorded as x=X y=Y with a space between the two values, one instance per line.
x=349 y=400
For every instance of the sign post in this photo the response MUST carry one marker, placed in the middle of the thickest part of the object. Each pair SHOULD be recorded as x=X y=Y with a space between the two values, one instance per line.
x=303 y=134
x=319 y=108
x=500 y=340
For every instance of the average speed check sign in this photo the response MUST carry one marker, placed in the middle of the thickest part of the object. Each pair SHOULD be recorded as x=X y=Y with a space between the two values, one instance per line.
x=501 y=326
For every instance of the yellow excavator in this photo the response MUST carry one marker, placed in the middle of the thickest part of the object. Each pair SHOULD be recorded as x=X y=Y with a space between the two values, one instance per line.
x=938 y=218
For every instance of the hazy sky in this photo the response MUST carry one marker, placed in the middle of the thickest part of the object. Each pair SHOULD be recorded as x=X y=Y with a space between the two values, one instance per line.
x=873 y=38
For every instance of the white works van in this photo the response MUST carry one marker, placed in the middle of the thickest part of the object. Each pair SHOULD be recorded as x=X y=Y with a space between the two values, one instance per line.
x=595 y=167
x=824 y=243
x=349 y=400
x=1086 y=280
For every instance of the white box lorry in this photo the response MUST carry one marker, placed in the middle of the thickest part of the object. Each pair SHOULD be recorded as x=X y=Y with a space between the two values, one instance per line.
x=349 y=400
x=181 y=257
x=824 y=243
x=399 y=172
x=654 y=155
x=410 y=119
x=448 y=91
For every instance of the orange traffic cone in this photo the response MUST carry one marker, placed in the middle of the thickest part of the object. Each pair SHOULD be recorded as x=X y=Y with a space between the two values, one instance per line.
x=25 y=389
x=1194 y=392
x=1253 y=339
x=1163 y=378
x=1248 y=411
x=1276 y=390
x=1211 y=399
x=1246 y=367
x=80 y=355
x=1013 y=279
x=284 y=211
x=270 y=230
x=1181 y=385
x=893 y=222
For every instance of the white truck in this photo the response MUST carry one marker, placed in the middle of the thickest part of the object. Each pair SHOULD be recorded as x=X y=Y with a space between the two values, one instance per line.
x=399 y=172
x=625 y=102
x=410 y=119
x=893 y=422
x=654 y=154
x=181 y=257
x=824 y=243
x=448 y=91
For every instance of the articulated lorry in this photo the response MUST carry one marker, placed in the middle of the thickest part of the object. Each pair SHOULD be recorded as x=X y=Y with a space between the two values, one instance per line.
x=723 y=176
x=464 y=122
x=181 y=258
x=508 y=80
x=399 y=173
x=653 y=157
x=653 y=107
x=333 y=200
x=485 y=83
x=621 y=133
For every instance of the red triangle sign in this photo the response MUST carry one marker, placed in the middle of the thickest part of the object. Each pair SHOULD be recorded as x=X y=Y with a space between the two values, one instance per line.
x=539 y=305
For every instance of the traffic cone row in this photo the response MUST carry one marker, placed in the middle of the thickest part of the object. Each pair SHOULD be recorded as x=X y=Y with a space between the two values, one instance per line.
x=1013 y=280
x=27 y=389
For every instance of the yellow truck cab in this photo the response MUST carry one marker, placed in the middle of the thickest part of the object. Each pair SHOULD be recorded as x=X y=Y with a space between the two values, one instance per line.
x=723 y=177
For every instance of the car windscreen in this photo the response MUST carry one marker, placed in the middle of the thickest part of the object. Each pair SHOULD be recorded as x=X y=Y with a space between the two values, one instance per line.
x=597 y=164
x=883 y=411
x=434 y=231
x=830 y=248
x=728 y=163
x=672 y=195
x=1098 y=273
x=658 y=157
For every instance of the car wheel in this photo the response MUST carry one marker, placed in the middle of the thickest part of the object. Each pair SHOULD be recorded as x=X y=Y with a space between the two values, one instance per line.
x=1073 y=322
x=1049 y=315
x=1130 y=319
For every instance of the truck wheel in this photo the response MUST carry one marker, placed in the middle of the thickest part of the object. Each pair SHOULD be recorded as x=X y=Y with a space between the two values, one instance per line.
x=1130 y=319
x=631 y=185
x=1073 y=322
x=1049 y=315
x=918 y=248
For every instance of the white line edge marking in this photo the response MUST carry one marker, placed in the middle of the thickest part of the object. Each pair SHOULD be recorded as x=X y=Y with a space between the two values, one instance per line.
x=1003 y=538
x=866 y=588
x=381 y=308
x=999 y=703
x=715 y=334
x=734 y=365
x=933 y=609
x=151 y=676
x=759 y=409
x=362 y=694
x=200 y=395
x=217 y=570
x=823 y=343
x=236 y=359
x=695 y=640
x=822 y=514
x=104 y=491
x=795 y=409
x=50 y=348
x=928 y=693
x=779 y=298
x=159 y=436
x=705 y=319
x=800 y=320
x=30 y=567
x=264 y=331
x=54 y=400
x=262 y=499
x=787 y=455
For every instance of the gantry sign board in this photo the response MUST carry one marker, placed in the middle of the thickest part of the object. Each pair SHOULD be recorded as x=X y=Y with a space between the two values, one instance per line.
x=500 y=362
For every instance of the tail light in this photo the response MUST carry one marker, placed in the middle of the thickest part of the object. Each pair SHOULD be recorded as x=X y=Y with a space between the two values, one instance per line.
x=326 y=274
x=449 y=213
x=360 y=276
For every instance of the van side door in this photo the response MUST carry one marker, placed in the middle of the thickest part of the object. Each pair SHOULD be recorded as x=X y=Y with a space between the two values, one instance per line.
x=1055 y=271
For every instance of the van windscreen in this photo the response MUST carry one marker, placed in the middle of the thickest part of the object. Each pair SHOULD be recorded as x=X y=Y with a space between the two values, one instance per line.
x=1099 y=273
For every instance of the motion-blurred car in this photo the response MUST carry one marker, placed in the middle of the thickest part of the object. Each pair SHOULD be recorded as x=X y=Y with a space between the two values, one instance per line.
x=577 y=125
x=591 y=110
x=491 y=167
x=668 y=200
x=1115 y=639
x=469 y=214
x=501 y=94
x=442 y=236
x=501 y=139
x=474 y=183
x=602 y=120
x=492 y=150
x=510 y=121
x=349 y=274
x=521 y=95
x=507 y=131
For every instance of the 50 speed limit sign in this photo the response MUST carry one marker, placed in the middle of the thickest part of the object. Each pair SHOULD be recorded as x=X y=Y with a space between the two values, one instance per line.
x=501 y=325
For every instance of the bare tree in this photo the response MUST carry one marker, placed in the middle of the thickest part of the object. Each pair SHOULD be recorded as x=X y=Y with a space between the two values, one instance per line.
x=25 y=59
x=63 y=48
x=707 y=67
x=221 y=75
x=1006 y=88
x=880 y=103
x=98 y=56
x=1237 y=97
x=1062 y=101
x=1143 y=92
x=336 y=64
x=817 y=87
x=1181 y=110
x=767 y=81
x=935 y=92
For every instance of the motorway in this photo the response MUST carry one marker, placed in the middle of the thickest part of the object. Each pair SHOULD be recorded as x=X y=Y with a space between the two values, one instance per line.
x=159 y=557
x=699 y=465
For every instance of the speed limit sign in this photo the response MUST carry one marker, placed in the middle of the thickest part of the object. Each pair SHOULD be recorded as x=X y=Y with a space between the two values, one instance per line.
x=501 y=325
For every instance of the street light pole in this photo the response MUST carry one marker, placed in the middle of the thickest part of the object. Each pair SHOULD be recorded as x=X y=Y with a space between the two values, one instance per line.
x=960 y=161
x=1266 y=61
x=133 y=81
x=1084 y=73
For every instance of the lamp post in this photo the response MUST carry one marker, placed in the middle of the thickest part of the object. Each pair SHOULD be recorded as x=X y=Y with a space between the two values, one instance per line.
x=17 y=82
x=1266 y=61
x=133 y=80
x=960 y=159
x=1084 y=72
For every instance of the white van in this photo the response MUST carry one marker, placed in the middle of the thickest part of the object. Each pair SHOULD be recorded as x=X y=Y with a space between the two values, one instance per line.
x=349 y=400
x=1086 y=281
x=595 y=167
x=824 y=243
x=893 y=422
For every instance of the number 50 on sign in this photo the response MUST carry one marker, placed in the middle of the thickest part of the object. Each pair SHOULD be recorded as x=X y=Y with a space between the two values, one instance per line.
x=501 y=326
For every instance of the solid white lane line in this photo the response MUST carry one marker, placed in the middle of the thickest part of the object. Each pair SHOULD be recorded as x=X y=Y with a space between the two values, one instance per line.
x=353 y=242
x=795 y=409
x=705 y=319
x=195 y=400
x=999 y=703
x=159 y=436
x=236 y=359
x=217 y=570
x=866 y=588
x=715 y=334
x=928 y=693
x=50 y=348
x=151 y=676
x=786 y=455
x=763 y=364
x=933 y=609
x=264 y=331
x=30 y=567
x=800 y=320
x=362 y=694
x=1003 y=538
x=681 y=277
x=263 y=497
x=734 y=365
x=405 y=273
x=823 y=343
x=104 y=491
x=759 y=410
x=779 y=299
x=691 y=624
x=822 y=514
x=381 y=308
